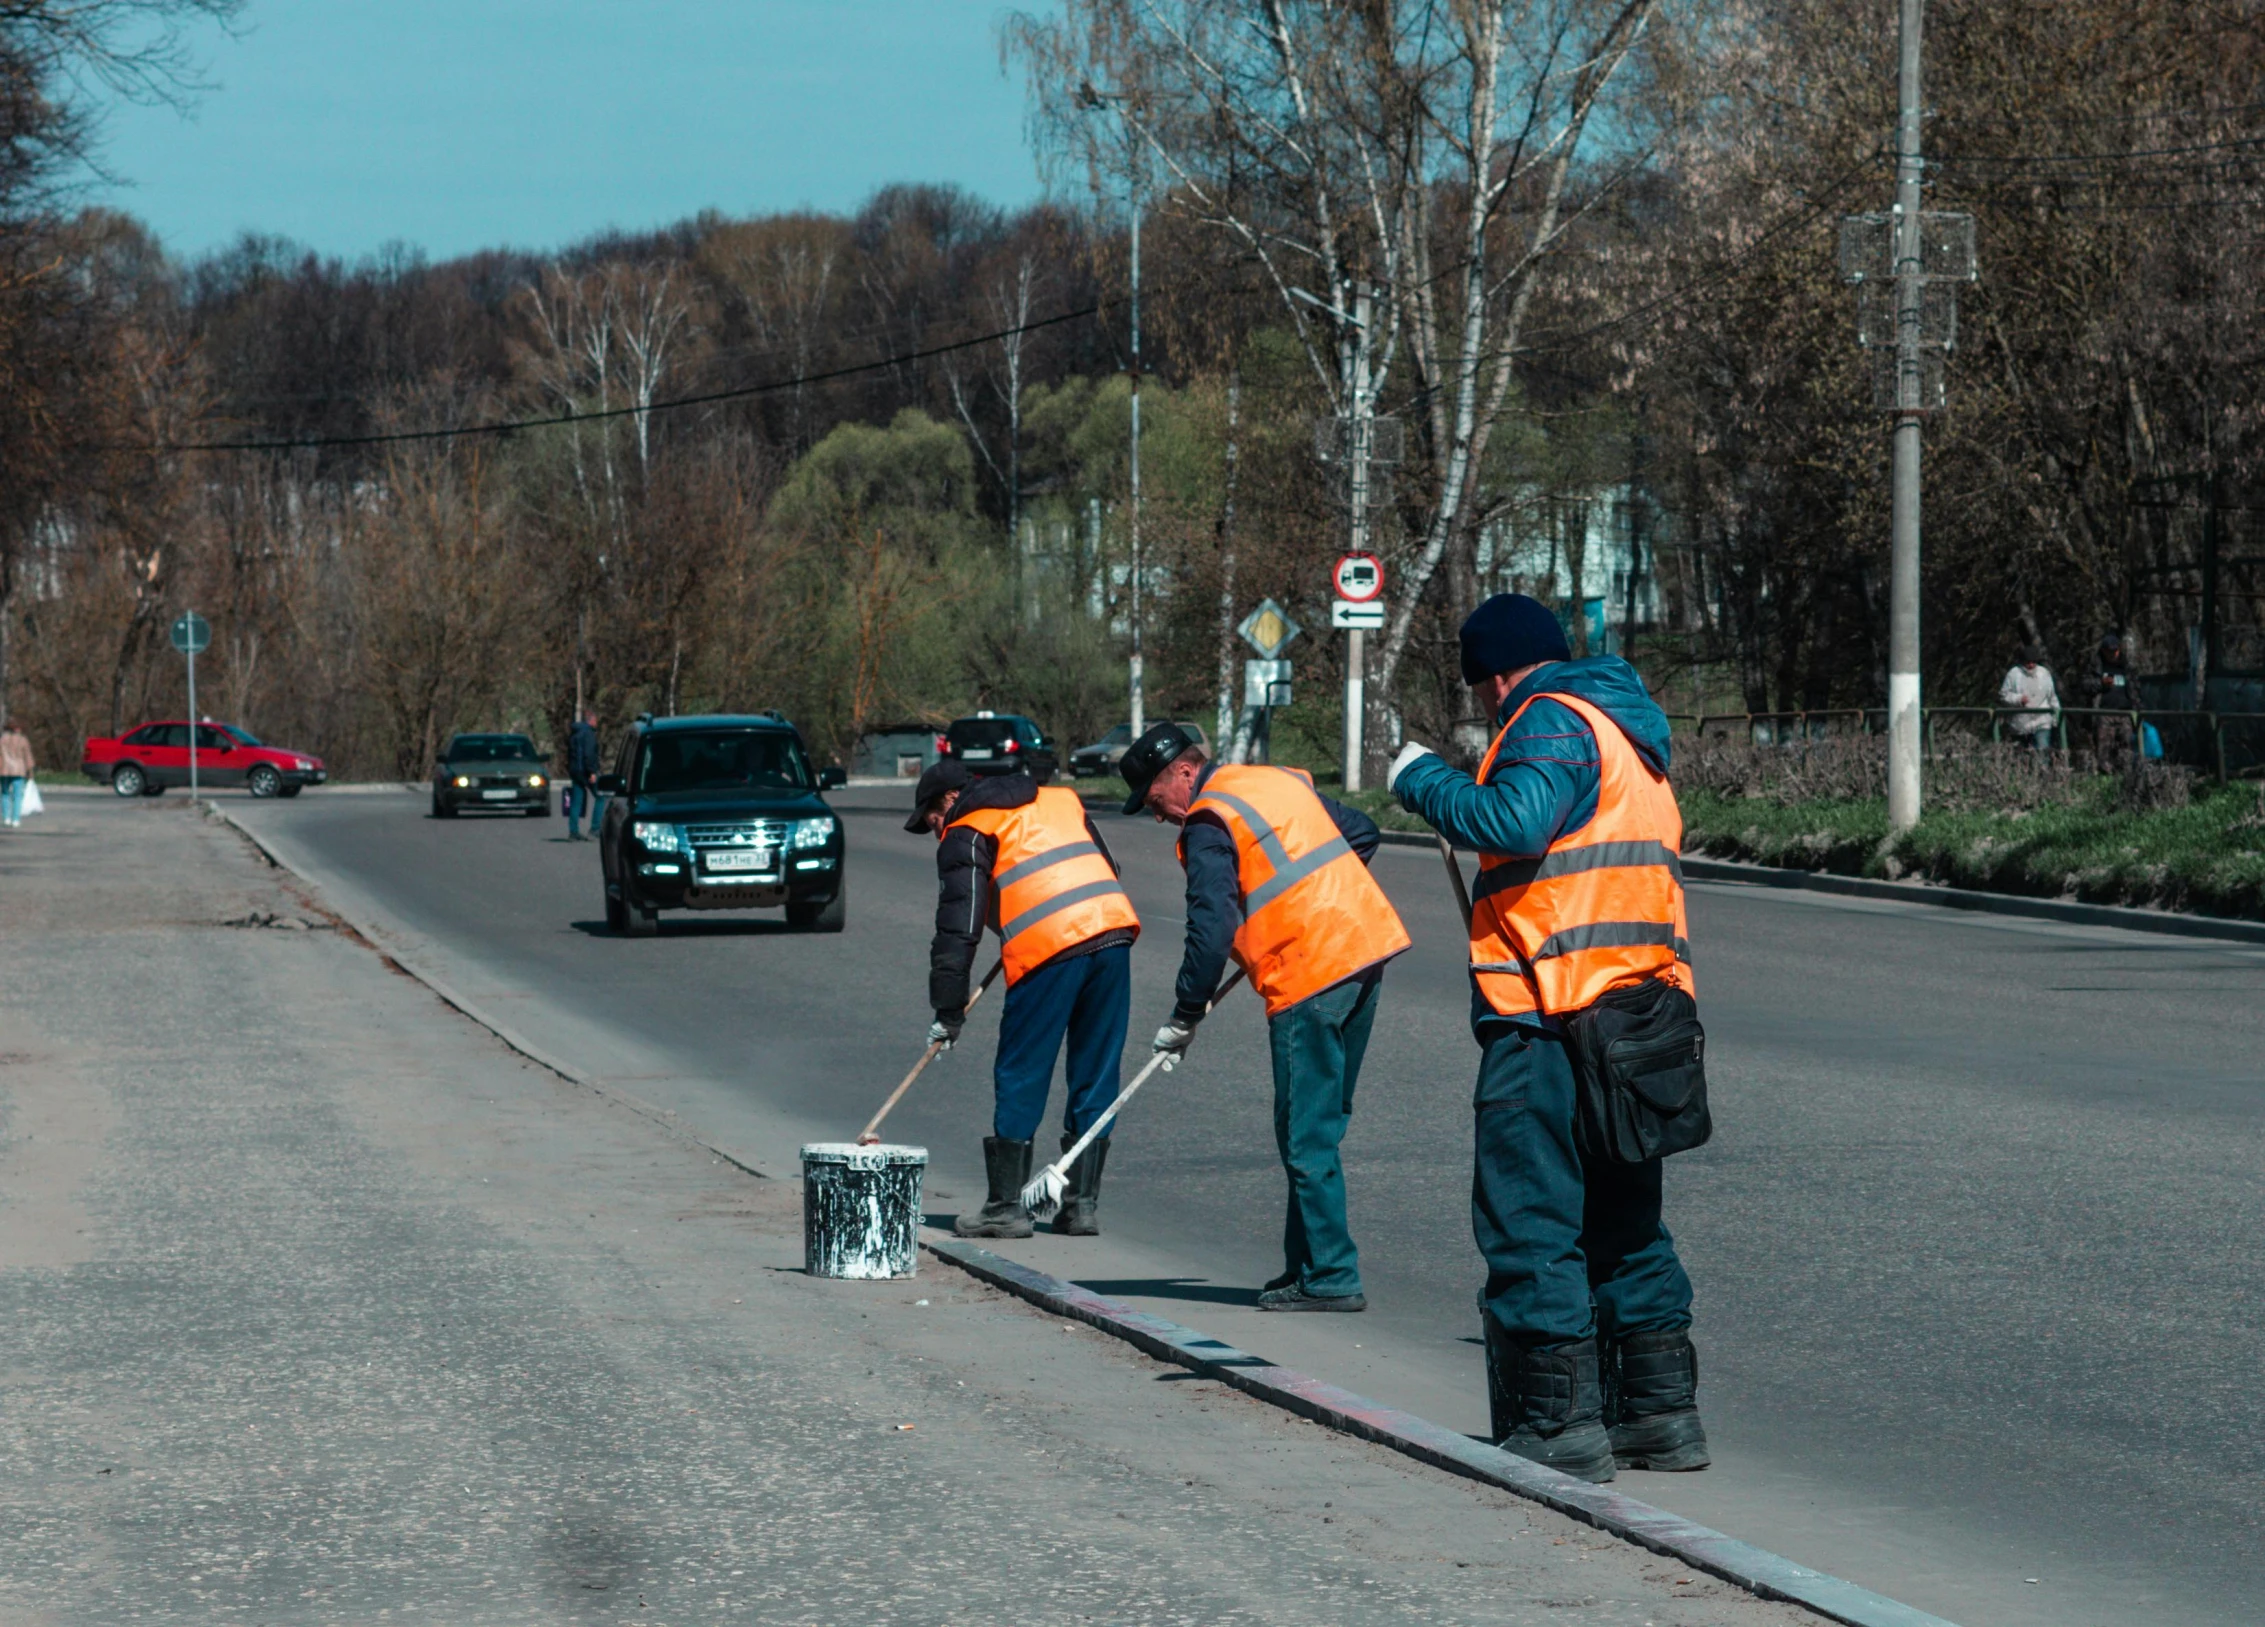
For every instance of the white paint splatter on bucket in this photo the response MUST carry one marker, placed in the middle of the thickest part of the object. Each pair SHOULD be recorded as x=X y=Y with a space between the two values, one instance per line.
x=861 y=1210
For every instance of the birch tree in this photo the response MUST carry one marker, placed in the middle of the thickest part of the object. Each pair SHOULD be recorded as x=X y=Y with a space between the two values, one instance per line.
x=1440 y=152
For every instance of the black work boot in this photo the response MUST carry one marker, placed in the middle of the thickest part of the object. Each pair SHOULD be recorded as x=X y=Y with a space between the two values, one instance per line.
x=1548 y=1403
x=1656 y=1425
x=1006 y=1166
x=1081 y=1202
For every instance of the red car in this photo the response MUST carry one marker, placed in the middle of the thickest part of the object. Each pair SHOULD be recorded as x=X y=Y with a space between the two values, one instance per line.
x=147 y=760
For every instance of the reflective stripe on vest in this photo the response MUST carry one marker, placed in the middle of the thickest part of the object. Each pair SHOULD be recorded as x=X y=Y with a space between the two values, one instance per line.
x=1052 y=889
x=1312 y=914
x=1603 y=908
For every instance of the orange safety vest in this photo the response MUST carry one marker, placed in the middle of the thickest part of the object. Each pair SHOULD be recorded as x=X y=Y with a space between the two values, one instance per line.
x=1603 y=908
x=1312 y=914
x=1052 y=889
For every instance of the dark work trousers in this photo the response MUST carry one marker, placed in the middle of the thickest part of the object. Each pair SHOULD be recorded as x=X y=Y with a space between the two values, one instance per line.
x=1088 y=998
x=1318 y=1045
x=1572 y=1248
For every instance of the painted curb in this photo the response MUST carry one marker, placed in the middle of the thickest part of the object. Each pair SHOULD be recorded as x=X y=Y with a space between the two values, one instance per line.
x=1755 y=1569
x=510 y=1036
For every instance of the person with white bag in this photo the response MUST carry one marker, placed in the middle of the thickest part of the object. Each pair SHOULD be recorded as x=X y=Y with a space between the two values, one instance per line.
x=15 y=775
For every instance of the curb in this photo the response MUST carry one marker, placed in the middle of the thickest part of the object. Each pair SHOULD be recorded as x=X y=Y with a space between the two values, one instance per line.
x=501 y=1030
x=1961 y=898
x=1755 y=1569
x=2169 y=922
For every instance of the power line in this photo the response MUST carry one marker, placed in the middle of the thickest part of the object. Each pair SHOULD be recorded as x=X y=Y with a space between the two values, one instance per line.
x=706 y=398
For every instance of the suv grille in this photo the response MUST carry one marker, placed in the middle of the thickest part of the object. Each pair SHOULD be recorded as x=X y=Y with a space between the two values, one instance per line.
x=740 y=833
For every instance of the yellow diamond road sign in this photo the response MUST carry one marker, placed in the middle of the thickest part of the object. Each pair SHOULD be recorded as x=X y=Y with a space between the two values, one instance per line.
x=1268 y=629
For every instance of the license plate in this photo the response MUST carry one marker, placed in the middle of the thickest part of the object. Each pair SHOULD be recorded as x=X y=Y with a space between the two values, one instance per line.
x=977 y=754
x=759 y=858
x=498 y=796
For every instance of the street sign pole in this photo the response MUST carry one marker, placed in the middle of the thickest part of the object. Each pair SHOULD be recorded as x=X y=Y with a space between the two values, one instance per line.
x=192 y=653
x=191 y=633
x=1356 y=651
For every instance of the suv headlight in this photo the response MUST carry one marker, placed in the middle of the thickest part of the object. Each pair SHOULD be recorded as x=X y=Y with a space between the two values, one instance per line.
x=462 y=780
x=535 y=780
x=655 y=837
x=813 y=832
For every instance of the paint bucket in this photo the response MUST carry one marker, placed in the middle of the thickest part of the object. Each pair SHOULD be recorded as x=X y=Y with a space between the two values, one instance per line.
x=861 y=1209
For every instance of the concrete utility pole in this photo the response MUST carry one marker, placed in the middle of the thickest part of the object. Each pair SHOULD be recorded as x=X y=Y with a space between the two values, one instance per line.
x=1359 y=432
x=1904 y=715
x=1139 y=708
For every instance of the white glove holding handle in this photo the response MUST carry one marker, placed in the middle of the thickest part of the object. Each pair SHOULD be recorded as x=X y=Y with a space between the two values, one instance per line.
x=1172 y=1042
x=1408 y=754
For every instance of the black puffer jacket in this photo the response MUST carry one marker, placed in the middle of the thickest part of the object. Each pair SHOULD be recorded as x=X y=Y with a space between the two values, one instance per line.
x=966 y=898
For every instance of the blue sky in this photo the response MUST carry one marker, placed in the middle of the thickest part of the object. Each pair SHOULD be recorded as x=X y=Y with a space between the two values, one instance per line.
x=454 y=125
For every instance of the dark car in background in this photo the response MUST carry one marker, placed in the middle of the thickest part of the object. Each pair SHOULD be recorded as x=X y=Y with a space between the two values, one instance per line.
x=1000 y=743
x=1105 y=753
x=497 y=773
x=719 y=813
x=144 y=761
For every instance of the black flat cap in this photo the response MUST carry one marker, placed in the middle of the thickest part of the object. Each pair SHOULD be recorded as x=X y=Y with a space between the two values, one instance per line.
x=944 y=774
x=1149 y=756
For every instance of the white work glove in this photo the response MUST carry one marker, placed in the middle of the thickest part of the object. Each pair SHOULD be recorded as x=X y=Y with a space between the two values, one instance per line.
x=1172 y=1042
x=943 y=1034
x=1408 y=754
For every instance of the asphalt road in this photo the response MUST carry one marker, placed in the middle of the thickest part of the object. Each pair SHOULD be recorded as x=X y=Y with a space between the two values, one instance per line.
x=1975 y=1243
x=317 y=1305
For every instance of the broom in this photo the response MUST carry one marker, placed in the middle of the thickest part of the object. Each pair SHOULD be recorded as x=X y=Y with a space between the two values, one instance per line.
x=872 y=1131
x=1044 y=1193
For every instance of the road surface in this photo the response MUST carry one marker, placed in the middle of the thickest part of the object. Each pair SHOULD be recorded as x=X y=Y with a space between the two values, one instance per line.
x=1979 y=1314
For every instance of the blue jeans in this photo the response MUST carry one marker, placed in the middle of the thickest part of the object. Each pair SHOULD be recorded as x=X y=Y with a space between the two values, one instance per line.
x=1318 y=1045
x=11 y=798
x=1088 y=999
x=584 y=797
x=1572 y=1248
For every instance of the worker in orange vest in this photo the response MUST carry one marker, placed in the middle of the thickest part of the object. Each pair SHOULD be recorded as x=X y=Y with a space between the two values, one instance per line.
x=1023 y=860
x=1277 y=876
x=1577 y=917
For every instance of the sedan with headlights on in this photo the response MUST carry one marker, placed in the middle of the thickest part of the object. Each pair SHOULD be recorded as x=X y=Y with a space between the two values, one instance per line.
x=491 y=773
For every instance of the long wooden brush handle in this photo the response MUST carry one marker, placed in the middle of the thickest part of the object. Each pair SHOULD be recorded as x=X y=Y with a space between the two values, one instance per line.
x=1109 y=1113
x=1462 y=893
x=871 y=1132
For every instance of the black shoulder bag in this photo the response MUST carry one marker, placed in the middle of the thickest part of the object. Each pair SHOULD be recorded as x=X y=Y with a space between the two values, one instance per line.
x=1639 y=1064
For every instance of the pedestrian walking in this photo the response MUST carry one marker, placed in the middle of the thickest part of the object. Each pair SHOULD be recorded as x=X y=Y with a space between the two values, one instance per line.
x=582 y=775
x=1024 y=860
x=16 y=767
x=2029 y=685
x=1277 y=876
x=1576 y=917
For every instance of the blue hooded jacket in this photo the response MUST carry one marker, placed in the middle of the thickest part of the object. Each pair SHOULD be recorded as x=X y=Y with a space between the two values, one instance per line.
x=1544 y=781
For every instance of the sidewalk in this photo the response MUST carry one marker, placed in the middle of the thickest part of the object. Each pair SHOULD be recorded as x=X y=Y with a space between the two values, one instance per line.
x=317 y=1304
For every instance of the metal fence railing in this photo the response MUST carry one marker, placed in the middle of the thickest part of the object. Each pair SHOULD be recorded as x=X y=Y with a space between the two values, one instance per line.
x=2227 y=745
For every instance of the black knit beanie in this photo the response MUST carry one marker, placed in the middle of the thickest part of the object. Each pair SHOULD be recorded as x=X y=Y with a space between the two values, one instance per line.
x=1507 y=632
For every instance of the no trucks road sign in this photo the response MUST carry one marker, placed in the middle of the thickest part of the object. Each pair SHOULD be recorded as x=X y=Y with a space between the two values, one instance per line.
x=1360 y=578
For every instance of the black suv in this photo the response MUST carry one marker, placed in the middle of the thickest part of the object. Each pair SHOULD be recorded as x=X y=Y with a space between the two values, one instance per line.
x=719 y=813
x=1001 y=743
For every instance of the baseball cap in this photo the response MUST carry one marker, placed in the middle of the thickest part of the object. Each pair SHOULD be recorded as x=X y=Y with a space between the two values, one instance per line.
x=944 y=774
x=1149 y=756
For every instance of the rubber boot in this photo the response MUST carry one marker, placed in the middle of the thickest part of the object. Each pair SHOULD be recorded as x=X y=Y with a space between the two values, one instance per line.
x=1656 y=1425
x=1081 y=1203
x=1006 y=1166
x=1548 y=1403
